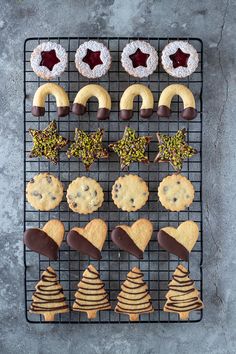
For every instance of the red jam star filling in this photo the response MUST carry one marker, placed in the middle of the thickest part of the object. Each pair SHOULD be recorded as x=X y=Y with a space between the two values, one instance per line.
x=49 y=59
x=139 y=58
x=92 y=58
x=179 y=58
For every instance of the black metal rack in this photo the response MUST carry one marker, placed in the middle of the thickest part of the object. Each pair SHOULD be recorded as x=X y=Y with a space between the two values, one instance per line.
x=157 y=265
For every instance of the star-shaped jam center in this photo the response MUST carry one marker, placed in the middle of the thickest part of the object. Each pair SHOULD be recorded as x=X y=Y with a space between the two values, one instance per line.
x=179 y=58
x=87 y=147
x=49 y=59
x=131 y=148
x=174 y=149
x=47 y=142
x=92 y=58
x=139 y=58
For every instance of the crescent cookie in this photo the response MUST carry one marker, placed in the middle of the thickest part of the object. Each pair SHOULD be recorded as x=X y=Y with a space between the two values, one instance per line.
x=130 y=192
x=44 y=192
x=179 y=59
x=127 y=101
x=139 y=59
x=189 y=112
x=88 y=91
x=84 y=195
x=62 y=100
x=49 y=60
x=176 y=192
x=92 y=59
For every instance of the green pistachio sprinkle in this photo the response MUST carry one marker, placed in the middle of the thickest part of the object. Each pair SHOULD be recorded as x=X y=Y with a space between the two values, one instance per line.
x=131 y=148
x=174 y=149
x=87 y=147
x=47 y=142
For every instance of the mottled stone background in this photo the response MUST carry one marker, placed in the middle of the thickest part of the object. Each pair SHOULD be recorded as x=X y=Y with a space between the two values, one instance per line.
x=215 y=23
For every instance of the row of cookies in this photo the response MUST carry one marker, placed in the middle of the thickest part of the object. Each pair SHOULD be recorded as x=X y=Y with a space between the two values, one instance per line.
x=130 y=148
x=104 y=101
x=89 y=240
x=130 y=193
x=133 y=300
x=93 y=59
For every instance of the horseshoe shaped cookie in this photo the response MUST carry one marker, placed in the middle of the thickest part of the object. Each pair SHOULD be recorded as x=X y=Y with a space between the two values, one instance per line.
x=88 y=91
x=189 y=112
x=127 y=101
x=62 y=101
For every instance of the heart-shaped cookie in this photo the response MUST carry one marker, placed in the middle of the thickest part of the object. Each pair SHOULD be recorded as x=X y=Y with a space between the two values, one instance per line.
x=133 y=239
x=179 y=241
x=90 y=239
x=45 y=241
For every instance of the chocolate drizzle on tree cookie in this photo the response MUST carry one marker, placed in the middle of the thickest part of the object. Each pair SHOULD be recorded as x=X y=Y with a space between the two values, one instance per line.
x=91 y=295
x=134 y=298
x=182 y=296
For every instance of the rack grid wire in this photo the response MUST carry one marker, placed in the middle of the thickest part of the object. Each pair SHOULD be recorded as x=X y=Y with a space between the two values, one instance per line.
x=157 y=264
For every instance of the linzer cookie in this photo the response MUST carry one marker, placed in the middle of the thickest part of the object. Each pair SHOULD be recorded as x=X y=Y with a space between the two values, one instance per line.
x=49 y=60
x=127 y=101
x=91 y=295
x=139 y=59
x=87 y=147
x=189 y=112
x=131 y=148
x=130 y=192
x=48 y=299
x=47 y=142
x=44 y=192
x=88 y=91
x=45 y=241
x=134 y=298
x=90 y=239
x=179 y=59
x=133 y=239
x=179 y=241
x=174 y=149
x=182 y=297
x=84 y=195
x=62 y=100
x=176 y=192
x=92 y=59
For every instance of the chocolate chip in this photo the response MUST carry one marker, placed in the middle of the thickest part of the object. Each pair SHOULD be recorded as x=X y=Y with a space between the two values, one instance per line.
x=74 y=205
x=79 y=194
x=53 y=198
x=115 y=196
x=131 y=200
x=49 y=179
x=187 y=196
x=32 y=180
x=86 y=188
x=178 y=182
x=174 y=200
x=95 y=193
x=37 y=194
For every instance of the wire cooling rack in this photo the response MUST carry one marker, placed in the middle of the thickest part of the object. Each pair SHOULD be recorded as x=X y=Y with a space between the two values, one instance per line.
x=157 y=265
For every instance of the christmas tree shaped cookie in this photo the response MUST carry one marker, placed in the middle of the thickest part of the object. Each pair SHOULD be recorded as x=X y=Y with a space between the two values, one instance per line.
x=48 y=299
x=182 y=297
x=91 y=295
x=134 y=298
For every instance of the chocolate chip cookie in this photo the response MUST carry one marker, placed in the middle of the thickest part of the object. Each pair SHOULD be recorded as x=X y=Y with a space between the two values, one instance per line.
x=176 y=192
x=130 y=192
x=84 y=195
x=44 y=192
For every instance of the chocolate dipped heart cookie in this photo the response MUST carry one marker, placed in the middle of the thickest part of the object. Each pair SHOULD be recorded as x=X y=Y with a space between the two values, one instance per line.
x=133 y=239
x=179 y=241
x=90 y=239
x=45 y=241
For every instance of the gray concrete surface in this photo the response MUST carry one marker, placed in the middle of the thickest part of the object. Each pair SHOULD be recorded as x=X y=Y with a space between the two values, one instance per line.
x=215 y=23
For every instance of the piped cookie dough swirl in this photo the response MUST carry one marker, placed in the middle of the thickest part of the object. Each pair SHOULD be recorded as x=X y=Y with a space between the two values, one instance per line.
x=48 y=298
x=134 y=298
x=91 y=295
x=182 y=296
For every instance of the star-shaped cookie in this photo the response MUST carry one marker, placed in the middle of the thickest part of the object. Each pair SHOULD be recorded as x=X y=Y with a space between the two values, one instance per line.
x=47 y=142
x=88 y=147
x=174 y=149
x=131 y=148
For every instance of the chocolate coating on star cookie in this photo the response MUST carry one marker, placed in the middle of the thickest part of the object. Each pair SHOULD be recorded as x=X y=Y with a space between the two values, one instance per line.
x=38 y=241
x=124 y=242
x=81 y=244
